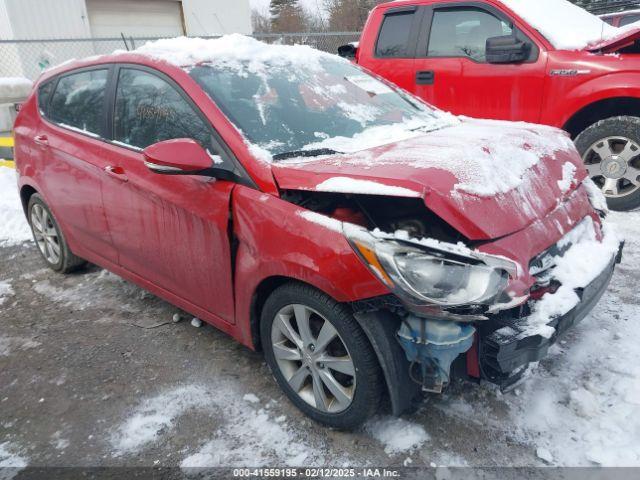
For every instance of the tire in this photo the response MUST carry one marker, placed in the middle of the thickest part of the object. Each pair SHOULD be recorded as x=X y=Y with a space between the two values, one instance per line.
x=365 y=386
x=50 y=242
x=610 y=150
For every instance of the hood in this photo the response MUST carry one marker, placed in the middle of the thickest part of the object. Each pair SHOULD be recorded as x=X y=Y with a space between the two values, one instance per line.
x=625 y=38
x=487 y=179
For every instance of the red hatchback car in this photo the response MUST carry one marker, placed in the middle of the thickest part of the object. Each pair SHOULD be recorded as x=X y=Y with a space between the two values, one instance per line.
x=371 y=245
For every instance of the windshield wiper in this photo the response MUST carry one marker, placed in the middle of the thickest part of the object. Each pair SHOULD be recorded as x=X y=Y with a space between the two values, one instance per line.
x=305 y=153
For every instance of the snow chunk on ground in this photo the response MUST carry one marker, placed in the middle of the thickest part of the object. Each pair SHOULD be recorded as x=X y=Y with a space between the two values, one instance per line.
x=544 y=454
x=14 y=88
x=13 y=224
x=569 y=27
x=5 y=291
x=156 y=414
x=397 y=435
x=11 y=462
x=251 y=398
x=352 y=185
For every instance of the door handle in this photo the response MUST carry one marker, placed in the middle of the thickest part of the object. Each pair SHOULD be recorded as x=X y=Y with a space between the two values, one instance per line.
x=41 y=140
x=116 y=172
x=425 y=77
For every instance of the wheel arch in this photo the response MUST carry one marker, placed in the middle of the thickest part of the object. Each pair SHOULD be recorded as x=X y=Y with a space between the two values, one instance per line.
x=25 y=194
x=599 y=110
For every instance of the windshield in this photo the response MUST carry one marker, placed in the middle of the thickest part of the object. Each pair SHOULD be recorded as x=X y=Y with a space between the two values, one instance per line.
x=292 y=112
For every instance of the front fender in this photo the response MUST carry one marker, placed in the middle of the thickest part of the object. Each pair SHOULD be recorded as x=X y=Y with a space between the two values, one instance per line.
x=278 y=238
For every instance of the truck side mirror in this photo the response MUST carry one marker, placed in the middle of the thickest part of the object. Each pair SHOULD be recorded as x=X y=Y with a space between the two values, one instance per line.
x=349 y=50
x=506 y=49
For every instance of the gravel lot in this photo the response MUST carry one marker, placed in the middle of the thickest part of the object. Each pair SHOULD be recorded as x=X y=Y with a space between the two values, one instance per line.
x=93 y=371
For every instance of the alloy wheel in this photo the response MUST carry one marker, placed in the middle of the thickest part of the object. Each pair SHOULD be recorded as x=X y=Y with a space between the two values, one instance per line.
x=613 y=164
x=45 y=234
x=313 y=359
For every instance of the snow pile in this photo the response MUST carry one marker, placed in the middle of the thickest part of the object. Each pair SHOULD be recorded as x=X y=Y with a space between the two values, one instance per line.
x=156 y=414
x=13 y=224
x=596 y=197
x=351 y=185
x=10 y=461
x=397 y=435
x=5 y=291
x=580 y=265
x=14 y=88
x=565 y=25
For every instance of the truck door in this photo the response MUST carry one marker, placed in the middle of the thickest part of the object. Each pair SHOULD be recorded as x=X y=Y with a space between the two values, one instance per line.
x=452 y=71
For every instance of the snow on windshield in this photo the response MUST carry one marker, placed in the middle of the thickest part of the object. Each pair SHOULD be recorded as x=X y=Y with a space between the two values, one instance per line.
x=287 y=99
x=565 y=25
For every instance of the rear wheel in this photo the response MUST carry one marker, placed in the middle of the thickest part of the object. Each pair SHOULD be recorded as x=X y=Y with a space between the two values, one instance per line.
x=49 y=239
x=320 y=357
x=610 y=150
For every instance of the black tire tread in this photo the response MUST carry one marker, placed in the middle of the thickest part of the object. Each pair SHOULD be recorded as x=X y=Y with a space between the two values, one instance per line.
x=624 y=125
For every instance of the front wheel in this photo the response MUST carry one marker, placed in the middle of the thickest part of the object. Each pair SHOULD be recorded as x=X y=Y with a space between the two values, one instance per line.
x=610 y=150
x=320 y=356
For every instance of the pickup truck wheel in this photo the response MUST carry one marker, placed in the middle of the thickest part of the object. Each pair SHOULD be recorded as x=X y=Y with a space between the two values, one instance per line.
x=49 y=238
x=320 y=357
x=610 y=150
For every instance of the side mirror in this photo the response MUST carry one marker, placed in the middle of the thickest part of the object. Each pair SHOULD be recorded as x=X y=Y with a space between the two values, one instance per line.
x=507 y=49
x=183 y=156
x=349 y=50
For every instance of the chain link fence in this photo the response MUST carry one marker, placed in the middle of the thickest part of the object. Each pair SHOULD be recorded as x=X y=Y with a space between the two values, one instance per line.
x=28 y=58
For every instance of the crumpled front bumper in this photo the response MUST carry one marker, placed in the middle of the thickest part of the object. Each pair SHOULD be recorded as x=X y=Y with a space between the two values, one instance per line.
x=504 y=353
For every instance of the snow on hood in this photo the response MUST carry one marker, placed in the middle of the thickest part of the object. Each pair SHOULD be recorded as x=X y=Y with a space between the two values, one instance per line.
x=485 y=178
x=565 y=25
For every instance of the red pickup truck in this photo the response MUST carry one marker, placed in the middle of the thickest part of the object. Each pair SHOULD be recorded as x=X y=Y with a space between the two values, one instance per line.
x=547 y=61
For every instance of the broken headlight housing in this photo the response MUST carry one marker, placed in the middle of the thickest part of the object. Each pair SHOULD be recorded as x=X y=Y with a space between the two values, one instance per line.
x=432 y=273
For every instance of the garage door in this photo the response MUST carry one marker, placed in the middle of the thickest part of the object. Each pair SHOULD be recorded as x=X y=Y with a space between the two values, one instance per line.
x=135 y=18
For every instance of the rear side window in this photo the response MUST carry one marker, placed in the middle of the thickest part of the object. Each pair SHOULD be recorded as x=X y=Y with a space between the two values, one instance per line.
x=78 y=101
x=629 y=19
x=463 y=32
x=150 y=110
x=393 y=40
x=44 y=96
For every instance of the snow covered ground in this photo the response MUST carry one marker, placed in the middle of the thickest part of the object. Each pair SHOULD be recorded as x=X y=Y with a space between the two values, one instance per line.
x=126 y=390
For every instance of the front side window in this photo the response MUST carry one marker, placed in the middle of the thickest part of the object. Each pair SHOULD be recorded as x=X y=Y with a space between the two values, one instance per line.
x=149 y=110
x=393 y=40
x=78 y=101
x=44 y=96
x=463 y=32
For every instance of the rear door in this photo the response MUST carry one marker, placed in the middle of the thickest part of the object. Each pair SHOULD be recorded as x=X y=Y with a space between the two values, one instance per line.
x=171 y=230
x=451 y=53
x=390 y=52
x=73 y=150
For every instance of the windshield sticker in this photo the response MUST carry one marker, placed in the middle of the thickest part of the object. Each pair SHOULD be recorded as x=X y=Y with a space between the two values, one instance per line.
x=368 y=84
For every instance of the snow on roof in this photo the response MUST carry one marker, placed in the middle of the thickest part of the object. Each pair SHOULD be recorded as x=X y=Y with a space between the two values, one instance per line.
x=232 y=50
x=565 y=25
x=14 y=88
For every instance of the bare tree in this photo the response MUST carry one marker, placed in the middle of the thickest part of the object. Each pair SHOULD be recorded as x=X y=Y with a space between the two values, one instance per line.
x=260 y=21
x=348 y=15
x=288 y=16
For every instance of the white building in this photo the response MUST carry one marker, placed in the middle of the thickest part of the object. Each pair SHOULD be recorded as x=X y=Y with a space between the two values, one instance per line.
x=64 y=19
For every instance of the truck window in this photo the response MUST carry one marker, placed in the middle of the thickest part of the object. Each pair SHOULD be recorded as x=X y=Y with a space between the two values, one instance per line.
x=393 y=40
x=463 y=32
x=629 y=19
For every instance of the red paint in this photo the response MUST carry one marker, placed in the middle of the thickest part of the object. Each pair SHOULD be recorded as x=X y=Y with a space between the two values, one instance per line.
x=182 y=153
x=520 y=92
x=472 y=358
x=175 y=235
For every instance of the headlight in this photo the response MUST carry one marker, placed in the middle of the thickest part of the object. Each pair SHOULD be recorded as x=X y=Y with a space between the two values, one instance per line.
x=433 y=272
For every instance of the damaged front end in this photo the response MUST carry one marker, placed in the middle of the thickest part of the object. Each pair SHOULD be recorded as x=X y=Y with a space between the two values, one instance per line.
x=455 y=300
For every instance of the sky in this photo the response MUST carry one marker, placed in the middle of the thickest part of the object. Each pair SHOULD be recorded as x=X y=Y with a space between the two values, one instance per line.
x=311 y=5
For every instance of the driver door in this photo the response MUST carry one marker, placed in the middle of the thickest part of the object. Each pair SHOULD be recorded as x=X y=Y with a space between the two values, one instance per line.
x=452 y=50
x=170 y=230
